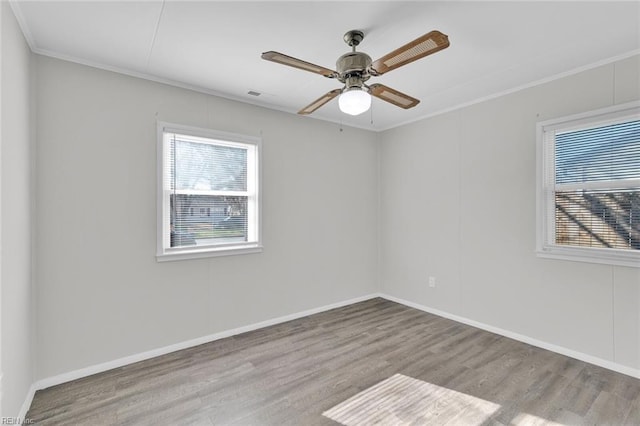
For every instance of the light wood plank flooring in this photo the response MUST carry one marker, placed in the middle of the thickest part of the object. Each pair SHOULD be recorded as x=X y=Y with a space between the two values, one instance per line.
x=290 y=373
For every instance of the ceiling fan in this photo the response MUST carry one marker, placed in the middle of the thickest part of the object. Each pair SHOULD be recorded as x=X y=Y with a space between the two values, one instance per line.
x=355 y=68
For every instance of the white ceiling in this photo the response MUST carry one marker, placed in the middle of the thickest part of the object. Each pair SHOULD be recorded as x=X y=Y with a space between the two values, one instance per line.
x=215 y=47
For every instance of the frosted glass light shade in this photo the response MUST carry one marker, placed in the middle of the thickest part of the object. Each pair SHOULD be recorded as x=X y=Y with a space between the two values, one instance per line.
x=354 y=101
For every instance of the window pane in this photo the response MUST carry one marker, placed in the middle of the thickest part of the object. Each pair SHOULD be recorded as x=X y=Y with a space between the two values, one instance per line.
x=605 y=219
x=198 y=220
x=202 y=166
x=604 y=153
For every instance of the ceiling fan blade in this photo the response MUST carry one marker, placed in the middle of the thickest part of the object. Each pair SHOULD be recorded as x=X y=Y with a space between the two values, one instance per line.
x=392 y=96
x=319 y=102
x=298 y=63
x=419 y=48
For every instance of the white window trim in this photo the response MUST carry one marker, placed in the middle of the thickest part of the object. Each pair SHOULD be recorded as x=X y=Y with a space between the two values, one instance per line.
x=545 y=232
x=184 y=253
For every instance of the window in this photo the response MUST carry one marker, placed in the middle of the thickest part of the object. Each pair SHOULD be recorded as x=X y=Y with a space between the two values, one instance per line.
x=208 y=193
x=589 y=187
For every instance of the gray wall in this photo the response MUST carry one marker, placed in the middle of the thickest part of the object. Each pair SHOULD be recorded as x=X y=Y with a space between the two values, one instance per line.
x=102 y=295
x=16 y=196
x=458 y=203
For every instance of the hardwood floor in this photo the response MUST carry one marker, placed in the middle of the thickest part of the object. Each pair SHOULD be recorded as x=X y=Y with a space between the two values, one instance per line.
x=290 y=373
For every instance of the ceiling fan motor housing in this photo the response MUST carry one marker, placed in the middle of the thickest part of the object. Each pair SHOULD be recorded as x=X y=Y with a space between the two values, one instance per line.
x=353 y=64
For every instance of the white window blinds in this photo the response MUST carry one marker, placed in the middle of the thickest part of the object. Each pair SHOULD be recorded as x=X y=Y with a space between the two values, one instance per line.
x=597 y=186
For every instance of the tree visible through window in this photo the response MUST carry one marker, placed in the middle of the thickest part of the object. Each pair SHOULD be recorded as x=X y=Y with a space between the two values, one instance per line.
x=590 y=190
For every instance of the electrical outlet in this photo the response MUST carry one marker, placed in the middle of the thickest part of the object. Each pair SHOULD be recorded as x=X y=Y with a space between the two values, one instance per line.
x=432 y=282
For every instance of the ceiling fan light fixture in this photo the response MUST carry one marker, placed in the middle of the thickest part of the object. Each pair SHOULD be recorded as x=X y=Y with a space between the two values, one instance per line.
x=354 y=101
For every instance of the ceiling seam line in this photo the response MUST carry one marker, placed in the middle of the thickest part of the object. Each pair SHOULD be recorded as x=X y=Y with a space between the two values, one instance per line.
x=155 y=34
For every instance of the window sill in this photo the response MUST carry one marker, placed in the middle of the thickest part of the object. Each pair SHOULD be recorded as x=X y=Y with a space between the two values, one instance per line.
x=186 y=254
x=592 y=255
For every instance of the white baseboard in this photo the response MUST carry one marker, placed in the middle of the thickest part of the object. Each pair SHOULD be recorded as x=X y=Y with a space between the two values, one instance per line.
x=120 y=362
x=610 y=365
x=22 y=414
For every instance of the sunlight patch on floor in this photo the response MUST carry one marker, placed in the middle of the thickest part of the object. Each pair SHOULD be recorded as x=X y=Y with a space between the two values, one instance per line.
x=402 y=400
x=526 y=419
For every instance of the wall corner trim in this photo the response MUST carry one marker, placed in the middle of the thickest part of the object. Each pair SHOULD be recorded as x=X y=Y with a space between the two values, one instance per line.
x=600 y=362
x=22 y=414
